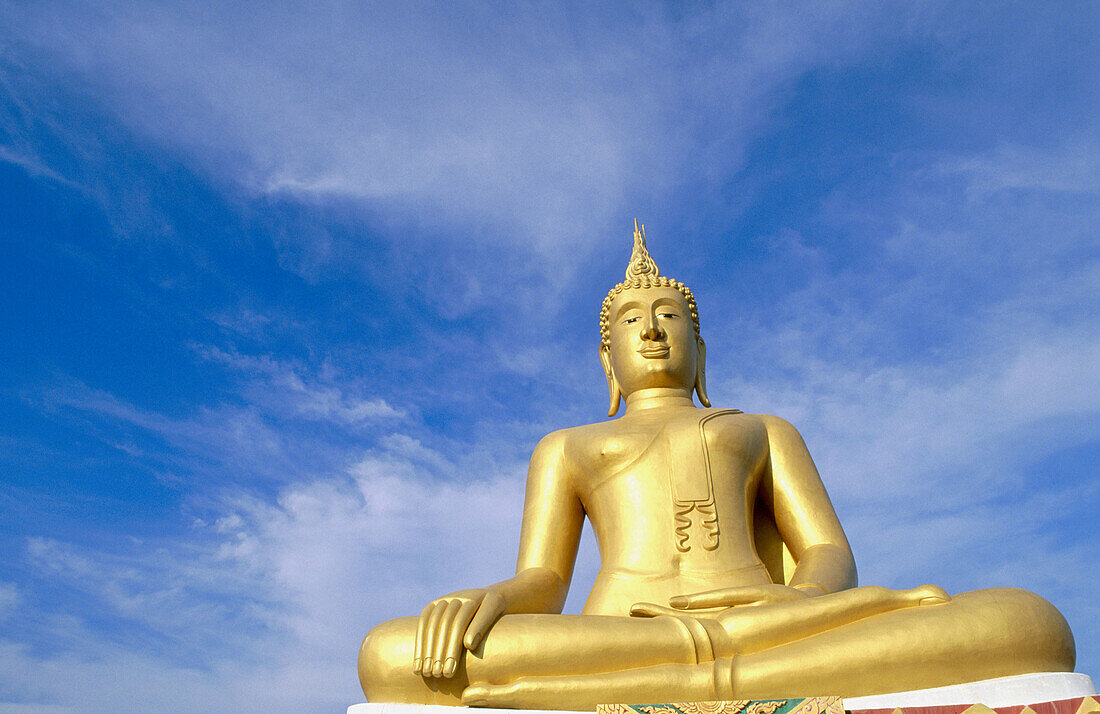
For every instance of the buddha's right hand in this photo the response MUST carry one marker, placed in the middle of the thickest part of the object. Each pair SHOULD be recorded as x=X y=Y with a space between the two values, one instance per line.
x=451 y=624
x=719 y=600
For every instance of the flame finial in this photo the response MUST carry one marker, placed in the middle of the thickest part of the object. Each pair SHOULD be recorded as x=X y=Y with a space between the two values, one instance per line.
x=641 y=264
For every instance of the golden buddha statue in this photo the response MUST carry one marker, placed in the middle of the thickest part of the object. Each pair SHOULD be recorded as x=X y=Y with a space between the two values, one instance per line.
x=725 y=573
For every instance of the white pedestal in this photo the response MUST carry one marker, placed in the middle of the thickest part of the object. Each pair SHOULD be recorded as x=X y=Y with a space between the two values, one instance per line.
x=1000 y=692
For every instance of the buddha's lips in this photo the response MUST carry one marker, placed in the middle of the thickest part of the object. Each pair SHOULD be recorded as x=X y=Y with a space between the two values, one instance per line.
x=654 y=351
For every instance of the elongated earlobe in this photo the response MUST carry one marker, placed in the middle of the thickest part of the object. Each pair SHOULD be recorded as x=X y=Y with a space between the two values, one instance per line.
x=613 y=392
x=701 y=374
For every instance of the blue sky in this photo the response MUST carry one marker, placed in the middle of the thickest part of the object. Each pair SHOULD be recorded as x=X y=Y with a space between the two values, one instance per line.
x=290 y=291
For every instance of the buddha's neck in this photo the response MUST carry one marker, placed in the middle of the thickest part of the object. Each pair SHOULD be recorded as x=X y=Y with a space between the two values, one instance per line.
x=658 y=397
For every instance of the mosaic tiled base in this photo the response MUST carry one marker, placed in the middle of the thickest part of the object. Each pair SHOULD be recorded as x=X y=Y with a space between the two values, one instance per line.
x=834 y=705
x=1080 y=705
x=812 y=705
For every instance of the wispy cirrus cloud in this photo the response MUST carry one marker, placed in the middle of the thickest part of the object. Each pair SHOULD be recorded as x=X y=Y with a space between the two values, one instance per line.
x=435 y=118
x=280 y=384
x=238 y=439
x=1073 y=168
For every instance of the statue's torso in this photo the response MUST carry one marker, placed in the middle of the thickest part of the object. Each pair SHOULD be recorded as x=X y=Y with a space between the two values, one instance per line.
x=666 y=526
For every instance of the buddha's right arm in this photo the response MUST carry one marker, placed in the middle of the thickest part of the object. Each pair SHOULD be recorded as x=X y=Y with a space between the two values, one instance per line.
x=804 y=514
x=551 y=531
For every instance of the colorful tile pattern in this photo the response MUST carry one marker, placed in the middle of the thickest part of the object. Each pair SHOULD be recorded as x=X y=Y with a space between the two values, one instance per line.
x=812 y=705
x=834 y=705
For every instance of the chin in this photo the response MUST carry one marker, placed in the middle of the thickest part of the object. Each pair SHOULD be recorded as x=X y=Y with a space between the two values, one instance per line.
x=670 y=369
x=664 y=375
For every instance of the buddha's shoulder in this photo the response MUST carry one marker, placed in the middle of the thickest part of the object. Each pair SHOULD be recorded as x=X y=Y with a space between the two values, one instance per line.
x=756 y=433
x=780 y=434
x=575 y=435
x=737 y=420
x=769 y=426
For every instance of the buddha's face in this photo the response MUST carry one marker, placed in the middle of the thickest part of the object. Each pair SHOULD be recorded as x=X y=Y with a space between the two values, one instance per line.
x=653 y=342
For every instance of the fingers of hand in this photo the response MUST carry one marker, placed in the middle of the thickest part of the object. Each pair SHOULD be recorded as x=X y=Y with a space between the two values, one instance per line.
x=442 y=634
x=930 y=595
x=726 y=597
x=431 y=635
x=421 y=636
x=496 y=695
x=451 y=646
x=732 y=597
x=477 y=695
x=488 y=612
x=446 y=624
x=649 y=609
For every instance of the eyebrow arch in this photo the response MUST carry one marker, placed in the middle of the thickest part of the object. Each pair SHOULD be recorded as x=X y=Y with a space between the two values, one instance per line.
x=630 y=305
x=666 y=302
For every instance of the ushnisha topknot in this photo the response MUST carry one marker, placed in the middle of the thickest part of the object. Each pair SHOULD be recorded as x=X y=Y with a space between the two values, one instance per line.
x=642 y=272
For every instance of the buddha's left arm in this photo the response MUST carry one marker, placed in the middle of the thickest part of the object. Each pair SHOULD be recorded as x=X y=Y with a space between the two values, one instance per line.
x=804 y=514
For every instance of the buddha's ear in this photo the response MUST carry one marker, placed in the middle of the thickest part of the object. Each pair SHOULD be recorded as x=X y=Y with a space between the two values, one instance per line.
x=701 y=373
x=613 y=391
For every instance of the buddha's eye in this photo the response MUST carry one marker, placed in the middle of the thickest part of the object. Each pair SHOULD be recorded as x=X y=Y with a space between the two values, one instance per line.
x=631 y=320
x=667 y=314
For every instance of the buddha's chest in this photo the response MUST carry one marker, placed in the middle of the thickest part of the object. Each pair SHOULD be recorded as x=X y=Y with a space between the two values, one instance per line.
x=697 y=472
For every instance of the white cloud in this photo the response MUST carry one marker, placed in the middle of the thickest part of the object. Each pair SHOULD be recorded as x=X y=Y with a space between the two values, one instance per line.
x=265 y=609
x=237 y=440
x=277 y=384
x=33 y=166
x=103 y=678
x=539 y=134
x=1072 y=167
x=391 y=537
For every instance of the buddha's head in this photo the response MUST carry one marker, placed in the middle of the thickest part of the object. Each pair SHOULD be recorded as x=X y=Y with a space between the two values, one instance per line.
x=649 y=326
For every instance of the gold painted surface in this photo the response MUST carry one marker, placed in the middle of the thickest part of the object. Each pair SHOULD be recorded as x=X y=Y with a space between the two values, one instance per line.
x=725 y=573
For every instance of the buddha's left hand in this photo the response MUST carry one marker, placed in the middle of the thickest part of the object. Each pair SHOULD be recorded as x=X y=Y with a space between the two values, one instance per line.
x=744 y=596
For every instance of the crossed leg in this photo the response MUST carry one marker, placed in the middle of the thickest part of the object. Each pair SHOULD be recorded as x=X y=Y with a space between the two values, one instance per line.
x=860 y=641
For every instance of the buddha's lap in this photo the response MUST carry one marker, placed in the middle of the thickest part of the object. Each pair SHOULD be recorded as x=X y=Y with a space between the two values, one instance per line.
x=984 y=623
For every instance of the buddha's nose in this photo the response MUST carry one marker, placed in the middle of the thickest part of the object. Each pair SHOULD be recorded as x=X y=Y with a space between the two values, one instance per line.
x=651 y=330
